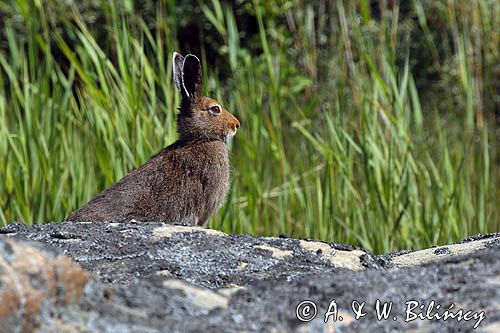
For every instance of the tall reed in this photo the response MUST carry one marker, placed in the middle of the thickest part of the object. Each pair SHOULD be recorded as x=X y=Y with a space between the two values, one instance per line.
x=339 y=141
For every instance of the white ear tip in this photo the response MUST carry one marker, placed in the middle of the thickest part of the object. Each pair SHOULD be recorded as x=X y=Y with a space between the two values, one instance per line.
x=192 y=55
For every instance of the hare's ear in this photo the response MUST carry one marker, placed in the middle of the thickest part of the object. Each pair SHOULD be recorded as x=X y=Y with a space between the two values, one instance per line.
x=191 y=76
x=178 y=61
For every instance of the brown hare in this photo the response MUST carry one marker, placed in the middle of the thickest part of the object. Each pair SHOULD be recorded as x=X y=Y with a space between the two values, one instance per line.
x=185 y=182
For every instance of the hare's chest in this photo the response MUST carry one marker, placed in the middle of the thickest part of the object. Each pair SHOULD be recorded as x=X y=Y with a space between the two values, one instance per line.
x=214 y=181
x=203 y=179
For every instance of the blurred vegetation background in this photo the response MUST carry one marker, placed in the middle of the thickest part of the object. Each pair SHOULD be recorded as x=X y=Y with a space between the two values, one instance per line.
x=366 y=122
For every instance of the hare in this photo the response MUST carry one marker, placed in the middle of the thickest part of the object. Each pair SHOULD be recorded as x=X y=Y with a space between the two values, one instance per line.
x=185 y=182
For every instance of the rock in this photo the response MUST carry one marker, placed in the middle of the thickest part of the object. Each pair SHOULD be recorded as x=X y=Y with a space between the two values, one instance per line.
x=152 y=277
x=34 y=279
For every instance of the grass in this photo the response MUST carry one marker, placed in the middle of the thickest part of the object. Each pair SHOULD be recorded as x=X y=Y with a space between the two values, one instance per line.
x=339 y=140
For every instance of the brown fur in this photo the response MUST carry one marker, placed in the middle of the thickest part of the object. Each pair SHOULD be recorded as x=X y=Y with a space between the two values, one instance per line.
x=185 y=182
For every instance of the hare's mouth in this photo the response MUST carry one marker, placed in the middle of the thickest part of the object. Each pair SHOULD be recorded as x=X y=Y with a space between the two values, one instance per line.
x=229 y=135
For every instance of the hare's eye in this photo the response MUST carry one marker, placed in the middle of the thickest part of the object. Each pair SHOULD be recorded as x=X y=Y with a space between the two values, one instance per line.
x=215 y=110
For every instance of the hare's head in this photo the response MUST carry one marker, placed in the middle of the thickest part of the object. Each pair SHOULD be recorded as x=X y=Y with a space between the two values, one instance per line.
x=199 y=117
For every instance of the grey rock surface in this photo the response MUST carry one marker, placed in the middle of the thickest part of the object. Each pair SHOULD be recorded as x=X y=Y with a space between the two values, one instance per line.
x=151 y=277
